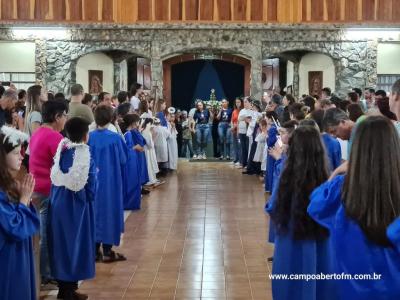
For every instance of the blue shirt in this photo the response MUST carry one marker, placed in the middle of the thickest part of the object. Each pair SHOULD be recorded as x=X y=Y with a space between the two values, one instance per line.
x=201 y=117
x=226 y=115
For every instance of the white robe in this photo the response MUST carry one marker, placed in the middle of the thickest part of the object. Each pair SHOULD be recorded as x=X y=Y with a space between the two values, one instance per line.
x=150 y=154
x=172 y=149
x=160 y=143
x=261 y=140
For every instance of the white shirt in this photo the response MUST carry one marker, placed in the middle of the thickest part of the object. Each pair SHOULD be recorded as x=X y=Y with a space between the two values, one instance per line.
x=135 y=102
x=243 y=114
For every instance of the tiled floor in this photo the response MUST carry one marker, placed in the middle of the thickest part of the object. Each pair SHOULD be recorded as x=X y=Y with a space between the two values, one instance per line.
x=200 y=236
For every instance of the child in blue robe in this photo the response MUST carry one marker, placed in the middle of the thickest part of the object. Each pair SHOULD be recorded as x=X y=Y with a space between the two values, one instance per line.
x=361 y=210
x=133 y=181
x=110 y=153
x=271 y=140
x=301 y=245
x=71 y=223
x=18 y=221
x=160 y=107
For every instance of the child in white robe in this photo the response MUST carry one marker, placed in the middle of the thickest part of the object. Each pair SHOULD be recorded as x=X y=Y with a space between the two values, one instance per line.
x=150 y=153
x=172 y=143
x=161 y=135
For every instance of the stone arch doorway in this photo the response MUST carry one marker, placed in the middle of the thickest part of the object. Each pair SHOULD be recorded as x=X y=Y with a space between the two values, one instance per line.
x=170 y=64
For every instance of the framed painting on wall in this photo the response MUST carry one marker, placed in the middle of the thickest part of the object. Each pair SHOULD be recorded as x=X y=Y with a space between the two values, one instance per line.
x=315 y=80
x=95 y=82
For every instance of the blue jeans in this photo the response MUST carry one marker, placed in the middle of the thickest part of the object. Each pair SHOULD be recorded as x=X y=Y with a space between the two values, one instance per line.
x=237 y=150
x=225 y=138
x=187 y=144
x=202 y=132
x=44 y=250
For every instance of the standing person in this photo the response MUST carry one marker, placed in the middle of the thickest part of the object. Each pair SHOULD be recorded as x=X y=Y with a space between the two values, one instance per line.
x=188 y=129
x=369 y=99
x=43 y=146
x=272 y=138
x=151 y=158
x=394 y=102
x=214 y=123
x=364 y=214
x=201 y=117
x=110 y=153
x=288 y=100
x=301 y=245
x=76 y=108
x=172 y=143
x=237 y=151
x=7 y=102
x=18 y=221
x=134 y=140
x=276 y=106
x=179 y=130
x=136 y=90
x=160 y=135
x=71 y=225
x=224 y=129
x=159 y=109
x=253 y=168
x=144 y=110
x=36 y=96
x=244 y=114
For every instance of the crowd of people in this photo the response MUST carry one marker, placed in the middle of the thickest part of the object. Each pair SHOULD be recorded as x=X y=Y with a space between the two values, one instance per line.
x=330 y=165
x=79 y=163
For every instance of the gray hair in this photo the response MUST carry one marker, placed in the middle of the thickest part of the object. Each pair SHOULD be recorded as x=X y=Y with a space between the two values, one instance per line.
x=333 y=117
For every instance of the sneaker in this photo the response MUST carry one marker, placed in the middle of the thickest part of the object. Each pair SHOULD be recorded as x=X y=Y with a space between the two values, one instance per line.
x=195 y=156
x=221 y=157
x=204 y=156
x=237 y=164
x=228 y=158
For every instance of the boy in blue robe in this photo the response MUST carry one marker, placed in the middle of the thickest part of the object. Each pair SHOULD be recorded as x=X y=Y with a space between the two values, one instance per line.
x=133 y=181
x=110 y=154
x=71 y=224
x=361 y=210
x=301 y=245
x=18 y=221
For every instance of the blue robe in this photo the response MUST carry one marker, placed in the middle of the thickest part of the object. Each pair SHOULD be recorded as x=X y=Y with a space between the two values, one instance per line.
x=334 y=151
x=352 y=251
x=163 y=119
x=18 y=223
x=300 y=257
x=269 y=175
x=71 y=227
x=138 y=139
x=133 y=184
x=110 y=154
x=279 y=164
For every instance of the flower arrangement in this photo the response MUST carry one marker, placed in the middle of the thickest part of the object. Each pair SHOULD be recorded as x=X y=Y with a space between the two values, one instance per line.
x=213 y=103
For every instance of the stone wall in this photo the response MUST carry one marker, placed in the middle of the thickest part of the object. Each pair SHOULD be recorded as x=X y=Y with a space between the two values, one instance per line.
x=355 y=61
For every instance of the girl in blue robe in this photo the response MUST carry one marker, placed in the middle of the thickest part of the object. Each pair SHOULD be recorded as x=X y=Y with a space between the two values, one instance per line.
x=133 y=182
x=110 y=154
x=361 y=210
x=18 y=222
x=71 y=224
x=138 y=139
x=279 y=154
x=301 y=245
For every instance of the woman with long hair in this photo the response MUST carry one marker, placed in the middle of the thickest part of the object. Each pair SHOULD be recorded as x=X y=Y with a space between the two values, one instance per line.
x=361 y=211
x=159 y=109
x=201 y=117
x=36 y=95
x=19 y=221
x=301 y=244
x=288 y=100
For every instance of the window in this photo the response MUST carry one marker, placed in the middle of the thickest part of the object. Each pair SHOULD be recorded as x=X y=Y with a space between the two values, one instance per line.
x=22 y=80
x=386 y=81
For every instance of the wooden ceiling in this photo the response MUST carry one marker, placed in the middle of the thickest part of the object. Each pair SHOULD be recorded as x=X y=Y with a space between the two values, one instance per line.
x=134 y=11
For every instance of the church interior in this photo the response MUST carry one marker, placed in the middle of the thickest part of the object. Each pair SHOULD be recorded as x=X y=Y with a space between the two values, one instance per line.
x=200 y=149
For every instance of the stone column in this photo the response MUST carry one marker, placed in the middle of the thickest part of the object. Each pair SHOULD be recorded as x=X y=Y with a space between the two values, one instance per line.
x=117 y=71
x=256 y=72
x=40 y=61
x=296 y=79
x=371 y=64
x=156 y=70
